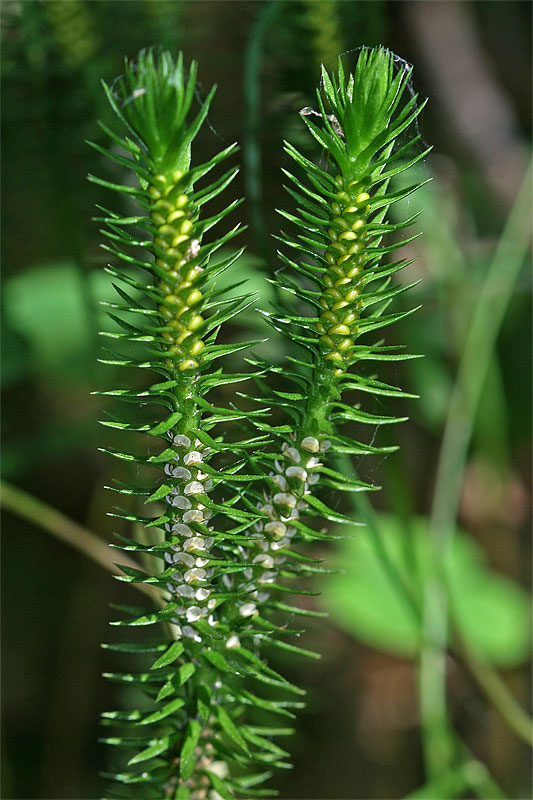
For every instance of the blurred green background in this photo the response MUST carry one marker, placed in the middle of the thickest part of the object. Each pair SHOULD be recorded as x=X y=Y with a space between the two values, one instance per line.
x=359 y=736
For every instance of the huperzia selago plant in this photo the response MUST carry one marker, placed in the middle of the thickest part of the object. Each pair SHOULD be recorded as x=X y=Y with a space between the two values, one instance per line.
x=339 y=275
x=184 y=739
x=237 y=490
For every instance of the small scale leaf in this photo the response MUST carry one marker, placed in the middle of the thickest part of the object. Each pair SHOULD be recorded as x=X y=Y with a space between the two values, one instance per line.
x=167 y=424
x=174 y=651
x=231 y=729
x=185 y=672
x=135 y=647
x=166 y=690
x=204 y=702
x=160 y=492
x=187 y=757
x=151 y=752
x=327 y=513
x=161 y=713
x=219 y=786
x=217 y=660
x=167 y=455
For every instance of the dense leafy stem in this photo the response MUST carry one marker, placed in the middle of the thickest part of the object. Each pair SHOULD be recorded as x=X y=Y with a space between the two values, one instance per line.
x=336 y=287
x=187 y=734
x=231 y=509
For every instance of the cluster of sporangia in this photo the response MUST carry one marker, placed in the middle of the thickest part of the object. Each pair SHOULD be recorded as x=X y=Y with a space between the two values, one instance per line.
x=345 y=255
x=297 y=469
x=191 y=580
x=171 y=213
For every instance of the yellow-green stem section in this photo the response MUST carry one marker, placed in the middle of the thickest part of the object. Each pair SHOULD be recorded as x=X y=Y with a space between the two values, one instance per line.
x=171 y=213
x=338 y=323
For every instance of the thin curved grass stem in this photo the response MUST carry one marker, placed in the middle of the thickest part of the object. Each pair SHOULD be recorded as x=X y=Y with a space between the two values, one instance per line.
x=366 y=513
x=499 y=695
x=49 y=519
x=473 y=367
x=487 y=678
x=471 y=774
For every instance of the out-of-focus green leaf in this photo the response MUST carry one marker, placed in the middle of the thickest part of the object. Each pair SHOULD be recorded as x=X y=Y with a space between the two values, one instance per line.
x=15 y=354
x=250 y=269
x=247 y=268
x=46 y=306
x=490 y=611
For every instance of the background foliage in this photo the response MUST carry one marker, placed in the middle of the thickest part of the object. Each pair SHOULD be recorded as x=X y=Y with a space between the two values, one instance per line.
x=359 y=735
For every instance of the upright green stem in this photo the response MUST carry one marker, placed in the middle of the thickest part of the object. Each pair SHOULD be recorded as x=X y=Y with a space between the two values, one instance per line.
x=366 y=513
x=474 y=364
x=252 y=100
x=316 y=416
x=473 y=367
x=471 y=774
x=500 y=696
x=488 y=680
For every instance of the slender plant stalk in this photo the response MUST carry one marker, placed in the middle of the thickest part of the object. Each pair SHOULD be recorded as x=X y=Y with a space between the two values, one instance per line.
x=252 y=121
x=481 y=339
x=323 y=21
x=35 y=511
x=499 y=695
x=477 y=353
x=62 y=527
x=471 y=774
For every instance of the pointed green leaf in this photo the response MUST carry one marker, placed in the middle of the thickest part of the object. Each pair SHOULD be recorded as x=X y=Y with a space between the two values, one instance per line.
x=174 y=651
x=161 y=746
x=167 y=424
x=187 y=757
x=231 y=729
x=164 y=712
